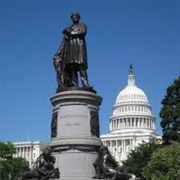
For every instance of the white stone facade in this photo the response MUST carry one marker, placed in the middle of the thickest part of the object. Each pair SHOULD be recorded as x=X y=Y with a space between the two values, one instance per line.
x=30 y=150
x=131 y=122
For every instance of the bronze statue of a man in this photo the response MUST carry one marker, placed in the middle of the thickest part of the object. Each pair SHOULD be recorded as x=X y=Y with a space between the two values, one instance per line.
x=71 y=57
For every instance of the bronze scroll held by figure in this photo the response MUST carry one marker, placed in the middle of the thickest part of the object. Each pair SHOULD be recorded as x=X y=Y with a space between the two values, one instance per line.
x=71 y=57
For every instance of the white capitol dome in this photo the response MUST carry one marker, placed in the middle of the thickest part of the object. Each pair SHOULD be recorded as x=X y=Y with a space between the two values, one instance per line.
x=132 y=101
x=131 y=93
x=132 y=121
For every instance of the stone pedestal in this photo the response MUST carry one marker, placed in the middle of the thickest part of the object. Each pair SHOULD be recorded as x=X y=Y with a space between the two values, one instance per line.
x=75 y=133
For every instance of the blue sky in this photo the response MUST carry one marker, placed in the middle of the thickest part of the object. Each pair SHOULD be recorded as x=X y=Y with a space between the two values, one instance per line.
x=120 y=32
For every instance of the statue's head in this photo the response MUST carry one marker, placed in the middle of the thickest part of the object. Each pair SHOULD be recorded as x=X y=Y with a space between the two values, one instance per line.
x=75 y=16
x=47 y=151
x=104 y=150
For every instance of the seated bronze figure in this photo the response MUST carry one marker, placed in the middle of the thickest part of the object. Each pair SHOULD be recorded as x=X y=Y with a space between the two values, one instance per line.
x=107 y=168
x=43 y=168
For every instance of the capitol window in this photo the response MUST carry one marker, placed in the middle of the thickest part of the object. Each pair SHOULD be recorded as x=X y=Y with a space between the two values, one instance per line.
x=113 y=143
x=129 y=121
x=114 y=150
x=127 y=142
x=119 y=143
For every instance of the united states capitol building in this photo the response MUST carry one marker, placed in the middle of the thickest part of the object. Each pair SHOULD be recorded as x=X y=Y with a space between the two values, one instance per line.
x=132 y=121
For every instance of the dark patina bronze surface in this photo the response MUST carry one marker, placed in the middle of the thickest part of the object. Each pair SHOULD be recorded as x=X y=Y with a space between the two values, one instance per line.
x=43 y=168
x=70 y=61
x=107 y=168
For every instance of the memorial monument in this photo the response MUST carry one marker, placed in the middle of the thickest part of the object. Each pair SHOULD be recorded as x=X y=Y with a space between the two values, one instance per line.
x=75 y=121
x=76 y=151
x=75 y=142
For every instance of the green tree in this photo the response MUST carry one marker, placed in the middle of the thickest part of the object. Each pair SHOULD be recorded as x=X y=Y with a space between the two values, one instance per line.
x=6 y=150
x=170 y=113
x=139 y=157
x=164 y=164
x=11 y=168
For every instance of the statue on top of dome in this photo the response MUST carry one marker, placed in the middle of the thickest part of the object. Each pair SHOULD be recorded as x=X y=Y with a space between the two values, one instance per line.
x=131 y=69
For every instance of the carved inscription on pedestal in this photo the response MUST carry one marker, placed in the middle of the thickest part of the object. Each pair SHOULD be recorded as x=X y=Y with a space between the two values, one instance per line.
x=73 y=119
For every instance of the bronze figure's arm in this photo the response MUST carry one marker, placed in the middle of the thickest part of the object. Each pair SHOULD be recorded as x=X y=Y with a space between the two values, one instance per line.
x=80 y=31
